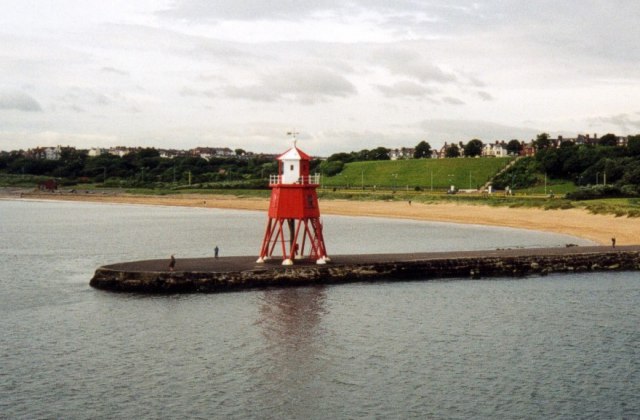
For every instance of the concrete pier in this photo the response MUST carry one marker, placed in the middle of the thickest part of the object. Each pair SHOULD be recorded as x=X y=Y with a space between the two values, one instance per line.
x=206 y=275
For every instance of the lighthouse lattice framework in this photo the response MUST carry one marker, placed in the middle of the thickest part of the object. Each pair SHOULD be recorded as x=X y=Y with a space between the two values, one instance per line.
x=294 y=226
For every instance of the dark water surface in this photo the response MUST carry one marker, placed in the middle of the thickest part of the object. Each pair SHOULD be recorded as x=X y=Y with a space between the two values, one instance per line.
x=558 y=346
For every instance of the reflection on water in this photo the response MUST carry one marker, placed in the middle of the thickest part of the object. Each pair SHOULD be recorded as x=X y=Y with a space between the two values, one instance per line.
x=290 y=318
x=290 y=321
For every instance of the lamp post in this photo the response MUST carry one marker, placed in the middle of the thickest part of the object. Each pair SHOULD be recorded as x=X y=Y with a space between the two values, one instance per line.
x=432 y=180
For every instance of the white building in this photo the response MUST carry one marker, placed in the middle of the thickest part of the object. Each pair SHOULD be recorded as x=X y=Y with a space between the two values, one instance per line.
x=497 y=149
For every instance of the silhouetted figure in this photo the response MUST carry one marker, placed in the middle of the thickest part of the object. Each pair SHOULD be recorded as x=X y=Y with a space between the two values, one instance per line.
x=613 y=242
x=172 y=263
x=215 y=251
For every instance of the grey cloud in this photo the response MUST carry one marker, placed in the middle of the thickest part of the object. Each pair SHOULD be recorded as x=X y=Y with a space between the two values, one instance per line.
x=248 y=9
x=113 y=70
x=452 y=101
x=187 y=91
x=406 y=62
x=485 y=96
x=456 y=130
x=624 y=122
x=76 y=95
x=414 y=11
x=304 y=85
x=18 y=101
x=405 y=89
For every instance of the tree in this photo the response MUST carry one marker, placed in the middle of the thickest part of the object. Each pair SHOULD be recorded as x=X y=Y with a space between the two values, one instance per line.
x=331 y=168
x=452 y=151
x=422 y=150
x=473 y=148
x=379 y=153
x=240 y=152
x=542 y=141
x=633 y=145
x=342 y=157
x=514 y=147
x=608 y=140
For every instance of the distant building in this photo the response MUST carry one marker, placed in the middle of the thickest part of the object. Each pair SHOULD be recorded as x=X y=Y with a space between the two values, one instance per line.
x=96 y=151
x=527 y=149
x=402 y=153
x=48 y=153
x=171 y=153
x=120 y=151
x=212 y=152
x=497 y=149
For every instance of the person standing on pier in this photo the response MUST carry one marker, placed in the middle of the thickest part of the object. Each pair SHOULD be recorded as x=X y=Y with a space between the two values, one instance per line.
x=613 y=242
x=172 y=263
x=215 y=251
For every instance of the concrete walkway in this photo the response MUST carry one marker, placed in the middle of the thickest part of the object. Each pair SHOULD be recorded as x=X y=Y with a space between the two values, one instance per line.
x=248 y=263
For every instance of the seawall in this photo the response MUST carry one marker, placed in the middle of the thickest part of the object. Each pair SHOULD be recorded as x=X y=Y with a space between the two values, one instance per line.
x=207 y=275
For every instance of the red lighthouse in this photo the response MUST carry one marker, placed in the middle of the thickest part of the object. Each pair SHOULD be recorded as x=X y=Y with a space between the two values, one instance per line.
x=294 y=216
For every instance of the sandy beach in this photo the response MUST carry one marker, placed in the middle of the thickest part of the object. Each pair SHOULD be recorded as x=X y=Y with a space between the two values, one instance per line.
x=580 y=223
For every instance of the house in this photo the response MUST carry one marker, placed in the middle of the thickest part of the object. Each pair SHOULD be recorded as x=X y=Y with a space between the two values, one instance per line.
x=120 y=151
x=402 y=153
x=48 y=153
x=96 y=151
x=527 y=149
x=497 y=149
x=212 y=152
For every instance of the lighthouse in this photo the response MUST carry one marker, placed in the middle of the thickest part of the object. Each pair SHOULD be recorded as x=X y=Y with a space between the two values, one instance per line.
x=294 y=227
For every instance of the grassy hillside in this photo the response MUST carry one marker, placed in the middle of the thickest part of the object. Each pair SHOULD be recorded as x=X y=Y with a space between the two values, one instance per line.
x=423 y=173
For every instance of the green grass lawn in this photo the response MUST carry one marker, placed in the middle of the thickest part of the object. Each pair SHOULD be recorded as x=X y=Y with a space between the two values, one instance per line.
x=424 y=173
x=557 y=187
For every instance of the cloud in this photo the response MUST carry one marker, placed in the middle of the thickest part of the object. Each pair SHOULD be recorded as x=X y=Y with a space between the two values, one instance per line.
x=405 y=89
x=452 y=101
x=623 y=122
x=485 y=96
x=18 y=101
x=462 y=130
x=304 y=85
x=416 y=12
x=206 y=93
x=113 y=70
x=273 y=9
x=410 y=62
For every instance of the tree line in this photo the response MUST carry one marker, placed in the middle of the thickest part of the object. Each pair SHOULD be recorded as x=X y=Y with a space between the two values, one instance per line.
x=143 y=167
x=602 y=169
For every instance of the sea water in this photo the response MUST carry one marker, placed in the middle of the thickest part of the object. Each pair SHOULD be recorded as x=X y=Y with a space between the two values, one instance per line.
x=557 y=346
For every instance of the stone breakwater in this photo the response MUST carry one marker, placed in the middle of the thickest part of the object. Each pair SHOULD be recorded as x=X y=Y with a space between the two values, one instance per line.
x=206 y=275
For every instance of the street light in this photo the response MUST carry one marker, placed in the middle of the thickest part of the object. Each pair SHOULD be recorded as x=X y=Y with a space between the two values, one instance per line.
x=432 y=180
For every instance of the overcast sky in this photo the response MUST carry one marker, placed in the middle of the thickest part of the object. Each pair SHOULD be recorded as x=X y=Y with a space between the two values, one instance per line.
x=346 y=74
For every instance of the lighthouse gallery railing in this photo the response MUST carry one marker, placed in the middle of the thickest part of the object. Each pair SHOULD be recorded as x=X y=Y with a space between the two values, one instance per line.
x=304 y=180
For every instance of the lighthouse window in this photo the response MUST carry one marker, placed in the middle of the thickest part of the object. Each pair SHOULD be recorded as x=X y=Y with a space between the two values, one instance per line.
x=291 y=168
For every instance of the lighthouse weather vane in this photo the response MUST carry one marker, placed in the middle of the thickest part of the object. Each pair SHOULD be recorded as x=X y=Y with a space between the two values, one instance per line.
x=294 y=134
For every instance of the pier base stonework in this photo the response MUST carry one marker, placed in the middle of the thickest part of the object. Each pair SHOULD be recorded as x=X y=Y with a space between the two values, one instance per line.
x=237 y=273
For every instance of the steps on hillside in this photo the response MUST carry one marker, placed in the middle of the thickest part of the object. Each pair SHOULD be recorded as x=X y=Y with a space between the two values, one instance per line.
x=503 y=170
